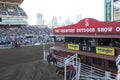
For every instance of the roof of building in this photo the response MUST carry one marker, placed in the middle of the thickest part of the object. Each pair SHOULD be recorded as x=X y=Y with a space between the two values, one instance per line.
x=90 y=27
x=89 y=35
x=12 y=1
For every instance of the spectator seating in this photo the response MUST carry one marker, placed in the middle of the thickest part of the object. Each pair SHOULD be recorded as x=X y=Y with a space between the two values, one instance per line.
x=25 y=35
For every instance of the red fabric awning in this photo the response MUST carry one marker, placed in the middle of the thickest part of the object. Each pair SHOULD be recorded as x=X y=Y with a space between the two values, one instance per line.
x=89 y=26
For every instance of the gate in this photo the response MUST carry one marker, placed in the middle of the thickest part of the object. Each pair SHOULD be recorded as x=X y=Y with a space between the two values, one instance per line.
x=46 y=51
x=76 y=63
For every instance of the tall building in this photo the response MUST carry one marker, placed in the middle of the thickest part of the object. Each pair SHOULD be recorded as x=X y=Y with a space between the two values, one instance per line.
x=54 y=22
x=40 y=20
x=116 y=10
x=78 y=18
x=68 y=21
x=112 y=10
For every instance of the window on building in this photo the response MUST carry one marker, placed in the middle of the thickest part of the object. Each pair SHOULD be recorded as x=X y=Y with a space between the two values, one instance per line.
x=97 y=61
x=91 y=42
x=80 y=41
x=116 y=42
x=113 y=42
x=104 y=41
x=112 y=64
x=59 y=39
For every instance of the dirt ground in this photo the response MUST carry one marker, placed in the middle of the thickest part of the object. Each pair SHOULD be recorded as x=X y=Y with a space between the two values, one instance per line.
x=26 y=66
x=34 y=70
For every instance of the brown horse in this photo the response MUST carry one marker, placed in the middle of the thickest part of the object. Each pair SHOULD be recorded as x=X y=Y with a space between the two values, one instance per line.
x=60 y=71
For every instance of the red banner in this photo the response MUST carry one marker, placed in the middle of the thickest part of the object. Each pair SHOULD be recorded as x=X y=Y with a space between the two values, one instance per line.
x=89 y=26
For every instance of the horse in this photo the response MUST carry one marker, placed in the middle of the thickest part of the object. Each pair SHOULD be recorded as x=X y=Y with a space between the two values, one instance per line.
x=60 y=71
x=54 y=60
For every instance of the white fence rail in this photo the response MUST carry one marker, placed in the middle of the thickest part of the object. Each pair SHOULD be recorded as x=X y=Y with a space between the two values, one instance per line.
x=88 y=72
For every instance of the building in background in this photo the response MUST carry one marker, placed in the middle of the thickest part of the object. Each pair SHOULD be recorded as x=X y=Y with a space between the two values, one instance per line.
x=78 y=18
x=116 y=10
x=108 y=10
x=67 y=22
x=54 y=22
x=40 y=20
x=112 y=10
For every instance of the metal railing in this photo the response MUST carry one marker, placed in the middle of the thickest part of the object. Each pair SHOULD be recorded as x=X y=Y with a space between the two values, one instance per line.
x=89 y=72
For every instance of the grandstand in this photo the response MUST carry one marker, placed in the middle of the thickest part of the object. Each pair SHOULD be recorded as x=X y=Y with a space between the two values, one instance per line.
x=14 y=27
x=11 y=13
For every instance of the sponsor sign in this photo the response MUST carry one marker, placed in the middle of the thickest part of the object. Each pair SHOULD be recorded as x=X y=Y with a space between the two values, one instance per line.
x=73 y=46
x=105 y=51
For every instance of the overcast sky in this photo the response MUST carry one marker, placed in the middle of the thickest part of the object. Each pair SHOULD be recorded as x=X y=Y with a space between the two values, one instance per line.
x=63 y=9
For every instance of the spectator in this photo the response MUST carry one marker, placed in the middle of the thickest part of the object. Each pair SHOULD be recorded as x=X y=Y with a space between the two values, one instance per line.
x=71 y=71
x=50 y=56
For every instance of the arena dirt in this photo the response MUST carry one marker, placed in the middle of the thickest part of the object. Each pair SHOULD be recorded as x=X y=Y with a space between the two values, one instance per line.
x=35 y=70
x=23 y=64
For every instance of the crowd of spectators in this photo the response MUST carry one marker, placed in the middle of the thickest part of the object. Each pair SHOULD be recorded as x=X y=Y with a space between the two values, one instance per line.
x=11 y=10
x=29 y=35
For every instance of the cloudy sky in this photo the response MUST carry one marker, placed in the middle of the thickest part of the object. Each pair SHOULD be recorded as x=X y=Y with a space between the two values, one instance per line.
x=63 y=9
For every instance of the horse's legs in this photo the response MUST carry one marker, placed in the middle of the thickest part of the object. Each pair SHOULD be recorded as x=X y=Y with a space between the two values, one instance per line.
x=49 y=62
x=57 y=71
x=56 y=63
x=53 y=63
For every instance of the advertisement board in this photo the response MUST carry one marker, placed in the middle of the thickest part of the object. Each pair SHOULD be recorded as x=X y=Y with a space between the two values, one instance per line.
x=105 y=51
x=73 y=46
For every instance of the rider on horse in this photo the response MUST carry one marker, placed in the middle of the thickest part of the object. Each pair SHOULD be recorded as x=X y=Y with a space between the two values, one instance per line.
x=51 y=58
